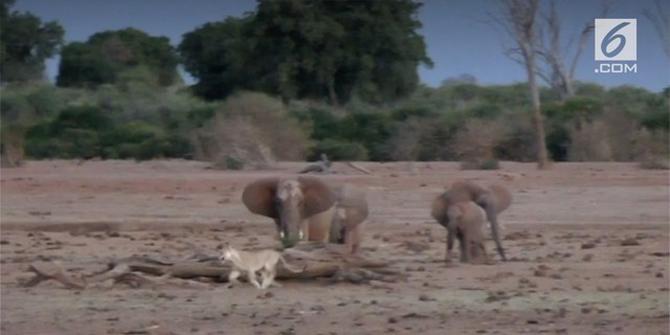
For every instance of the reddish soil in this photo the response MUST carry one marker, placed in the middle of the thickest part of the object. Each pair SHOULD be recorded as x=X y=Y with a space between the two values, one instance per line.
x=570 y=270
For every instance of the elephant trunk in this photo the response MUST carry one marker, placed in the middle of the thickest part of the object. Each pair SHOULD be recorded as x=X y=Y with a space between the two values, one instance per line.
x=290 y=220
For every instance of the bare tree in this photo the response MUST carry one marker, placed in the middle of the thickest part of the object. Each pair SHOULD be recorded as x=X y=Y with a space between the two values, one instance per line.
x=558 y=62
x=660 y=18
x=558 y=71
x=519 y=19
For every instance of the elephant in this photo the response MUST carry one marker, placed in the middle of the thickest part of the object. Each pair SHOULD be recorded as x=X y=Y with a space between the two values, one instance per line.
x=493 y=199
x=466 y=220
x=306 y=208
x=302 y=207
x=350 y=213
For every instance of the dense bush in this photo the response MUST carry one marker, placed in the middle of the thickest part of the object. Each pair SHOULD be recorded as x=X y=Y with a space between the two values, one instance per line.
x=86 y=132
x=25 y=103
x=138 y=119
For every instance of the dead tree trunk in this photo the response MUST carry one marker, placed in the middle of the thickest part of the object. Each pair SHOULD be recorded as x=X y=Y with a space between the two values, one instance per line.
x=519 y=19
x=319 y=260
x=538 y=122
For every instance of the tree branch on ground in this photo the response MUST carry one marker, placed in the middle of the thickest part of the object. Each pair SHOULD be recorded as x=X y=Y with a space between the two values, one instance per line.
x=319 y=260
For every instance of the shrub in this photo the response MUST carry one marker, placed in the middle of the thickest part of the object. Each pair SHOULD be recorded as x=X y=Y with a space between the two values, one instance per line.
x=253 y=128
x=486 y=164
x=518 y=143
x=412 y=112
x=408 y=139
x=27 y=103
x=655 y=163
x=485 y=111
x=475 y=142
x=75 y=132
x=589 y=142
x=582 y=108
x=232 y=163
x=87 y=117
x=85 y=132
x=323 y=120
x=11 y=146
x=79 y=143
x=371 y=129
x=651 y=148
x=141 y=141
x=618 y=123
x=657 y=117
x=200 y=115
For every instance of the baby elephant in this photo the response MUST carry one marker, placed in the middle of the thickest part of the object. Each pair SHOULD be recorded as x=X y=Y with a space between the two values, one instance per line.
x=492 y=199
x=466 y=220
x=351 y=210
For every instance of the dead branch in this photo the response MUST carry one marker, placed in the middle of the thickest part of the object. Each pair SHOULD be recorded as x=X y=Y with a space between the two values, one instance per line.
x=317 y=259
x=359 y=168
x=52 y=270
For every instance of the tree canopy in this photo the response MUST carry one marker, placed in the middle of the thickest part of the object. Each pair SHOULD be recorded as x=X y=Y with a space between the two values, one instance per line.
x=112 y=55
x=216 y=55
x=325 y=50
x=25 y=44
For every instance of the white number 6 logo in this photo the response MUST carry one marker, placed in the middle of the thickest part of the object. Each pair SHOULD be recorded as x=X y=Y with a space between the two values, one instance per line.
x=611 y=37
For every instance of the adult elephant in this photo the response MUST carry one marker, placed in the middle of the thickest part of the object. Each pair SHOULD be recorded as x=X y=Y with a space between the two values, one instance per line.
x=302 y=207
x=306 y=208
x=492 y=199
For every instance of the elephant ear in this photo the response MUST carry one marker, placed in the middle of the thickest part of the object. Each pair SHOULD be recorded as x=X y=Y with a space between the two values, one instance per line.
x=455 y=211
x=317 y=196
x=502 y=196
x=259 y=197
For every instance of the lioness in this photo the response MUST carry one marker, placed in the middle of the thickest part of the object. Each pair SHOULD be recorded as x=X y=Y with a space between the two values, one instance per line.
x=264 y=261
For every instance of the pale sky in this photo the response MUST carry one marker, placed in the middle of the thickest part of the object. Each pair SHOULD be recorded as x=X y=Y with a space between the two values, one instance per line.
x=458 y=33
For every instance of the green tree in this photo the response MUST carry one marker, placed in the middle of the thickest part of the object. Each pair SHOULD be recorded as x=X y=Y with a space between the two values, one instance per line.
x=111 y=56
x=25 y=43
x=325 y=50
x=216 y=54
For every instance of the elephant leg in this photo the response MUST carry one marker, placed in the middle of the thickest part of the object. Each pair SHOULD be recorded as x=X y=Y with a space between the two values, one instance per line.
x=318 y=226
x=474 y=251
x=467 y=241
x=352 y=239
x=450 y=246
x=463 y=247
x=337 y=229
x=484 y=257
x=478 y=247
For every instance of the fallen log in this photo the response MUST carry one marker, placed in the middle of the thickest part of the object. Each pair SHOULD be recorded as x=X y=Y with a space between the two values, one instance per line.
x=52 y=271
x=317 y=259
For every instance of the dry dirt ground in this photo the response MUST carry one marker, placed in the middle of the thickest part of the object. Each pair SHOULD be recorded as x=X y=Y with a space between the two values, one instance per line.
x=588 y=245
